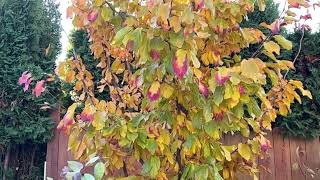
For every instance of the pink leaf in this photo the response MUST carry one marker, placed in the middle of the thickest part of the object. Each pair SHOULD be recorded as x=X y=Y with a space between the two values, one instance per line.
x=39 y=89
x=221 y=79
x=26 y=85
x=92 y=16
x=155 y=54
x=242 y=89
x=204 y=90
x=180 y=69
x=25 y=79
x=154 y=91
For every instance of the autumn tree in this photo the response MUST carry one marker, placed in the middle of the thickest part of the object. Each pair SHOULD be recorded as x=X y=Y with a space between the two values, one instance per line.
x=176 y=84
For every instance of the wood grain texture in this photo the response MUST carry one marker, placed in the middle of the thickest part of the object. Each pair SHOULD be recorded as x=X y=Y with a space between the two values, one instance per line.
x=298 y=156
x=267 y=168
x=53 y=148
x=313 y=157
x=281 y=156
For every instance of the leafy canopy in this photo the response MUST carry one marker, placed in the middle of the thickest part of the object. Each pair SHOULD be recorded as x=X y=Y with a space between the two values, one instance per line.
x=176 y=84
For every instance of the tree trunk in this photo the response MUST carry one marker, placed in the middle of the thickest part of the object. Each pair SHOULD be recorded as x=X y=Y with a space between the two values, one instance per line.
x=32 y=160
x=6 y=162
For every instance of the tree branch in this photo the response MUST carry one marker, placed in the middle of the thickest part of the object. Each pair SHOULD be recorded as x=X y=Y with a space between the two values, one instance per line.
x=297 y=55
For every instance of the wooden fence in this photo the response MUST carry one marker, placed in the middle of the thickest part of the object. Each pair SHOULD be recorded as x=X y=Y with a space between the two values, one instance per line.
x=289 y=158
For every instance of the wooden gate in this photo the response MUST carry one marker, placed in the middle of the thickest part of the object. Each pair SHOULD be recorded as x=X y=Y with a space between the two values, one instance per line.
x=283 y=163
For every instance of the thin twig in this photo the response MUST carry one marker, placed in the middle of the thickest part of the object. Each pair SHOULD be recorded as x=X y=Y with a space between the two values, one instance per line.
x=299 y=51
x=257 y=52
x=122 y=15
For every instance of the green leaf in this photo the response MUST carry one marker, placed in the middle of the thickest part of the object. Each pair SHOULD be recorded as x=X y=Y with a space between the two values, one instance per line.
x=212 y=129
x=187 y=171
x=218 y=95
x=190 y=140
x=75 y=166
x=253 y=108
x=92 y=160
x=284 y=43
x=99 y=170
x=132 y=136
x=207 y=113
x=117 y=40
x=151 y=145
x=151 y=167
x=196 y=120
x=245 y=151
x=106 y=13
x=176 y=39
x=202 y=173
x=87 y=177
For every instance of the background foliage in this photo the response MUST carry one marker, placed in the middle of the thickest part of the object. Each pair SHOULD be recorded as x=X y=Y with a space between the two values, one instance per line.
x=29 y=40
x=304 y=121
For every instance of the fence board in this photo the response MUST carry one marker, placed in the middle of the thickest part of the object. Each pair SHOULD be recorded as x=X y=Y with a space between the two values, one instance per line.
x=297 y=158
x=53 y=149
x=267 y=170
x=281 y=156
x=313 y=157
x=63 y=153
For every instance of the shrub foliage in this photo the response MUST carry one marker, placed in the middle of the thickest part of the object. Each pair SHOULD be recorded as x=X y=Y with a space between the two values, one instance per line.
x=176 y=84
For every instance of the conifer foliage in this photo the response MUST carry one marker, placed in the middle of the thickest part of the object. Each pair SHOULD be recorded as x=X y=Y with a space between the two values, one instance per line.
x=29 y=43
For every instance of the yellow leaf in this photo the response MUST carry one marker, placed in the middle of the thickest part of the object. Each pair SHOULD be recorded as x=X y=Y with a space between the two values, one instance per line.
x=299 y=85
x=187 y=16
x=194 y=59
x=226 y=173
x=262 y=5
x=154 y=88
x=175 y=23
x=164 y=11
x=98 y=2
x=198 y=73
x=245 y=151
x=181 y=55
x=203 y=35
x=166 y=90
x=99 y=119
x=249 y=69
x=117 y=66
x=286 y=44
x=227 y=153
x=283 y=109
x=111 y=107
x=271 y=46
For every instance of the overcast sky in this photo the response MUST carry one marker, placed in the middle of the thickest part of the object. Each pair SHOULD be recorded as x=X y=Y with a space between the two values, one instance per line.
x=67 y=24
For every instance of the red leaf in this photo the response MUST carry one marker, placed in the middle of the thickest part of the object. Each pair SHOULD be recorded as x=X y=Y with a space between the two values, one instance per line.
x=154 y=91
x=180 y=69
x=204 y=90
x=155 y=54
x=39 y=89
